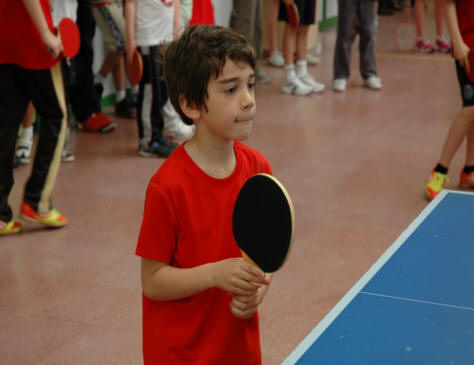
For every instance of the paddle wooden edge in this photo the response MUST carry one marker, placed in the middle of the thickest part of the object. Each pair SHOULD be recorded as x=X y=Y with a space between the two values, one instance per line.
x=292 y=213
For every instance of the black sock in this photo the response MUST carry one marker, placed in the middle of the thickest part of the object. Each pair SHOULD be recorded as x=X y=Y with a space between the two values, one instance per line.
x=440 y=168
x=468 y=169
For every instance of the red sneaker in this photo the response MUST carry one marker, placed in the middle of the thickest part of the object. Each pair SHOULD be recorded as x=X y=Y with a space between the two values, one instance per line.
x=466 y=180
x=98 y=122
x=423 y=46
x=442 y=46
x=51 y=219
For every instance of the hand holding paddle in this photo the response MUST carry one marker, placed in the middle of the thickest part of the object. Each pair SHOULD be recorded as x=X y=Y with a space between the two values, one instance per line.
x=134 y=67
x=293 y=14
x=238 y=277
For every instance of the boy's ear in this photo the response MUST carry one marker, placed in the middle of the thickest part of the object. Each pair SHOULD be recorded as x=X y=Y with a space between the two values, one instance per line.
x=190 y=110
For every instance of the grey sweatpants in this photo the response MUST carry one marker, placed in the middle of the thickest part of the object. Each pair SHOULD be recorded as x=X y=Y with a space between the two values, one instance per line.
x=364 y=10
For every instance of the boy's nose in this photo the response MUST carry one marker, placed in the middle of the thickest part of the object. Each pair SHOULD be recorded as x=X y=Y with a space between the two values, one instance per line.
x=248 y=100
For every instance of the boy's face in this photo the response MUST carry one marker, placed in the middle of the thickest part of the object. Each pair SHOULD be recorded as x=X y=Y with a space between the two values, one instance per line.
x=230 y=103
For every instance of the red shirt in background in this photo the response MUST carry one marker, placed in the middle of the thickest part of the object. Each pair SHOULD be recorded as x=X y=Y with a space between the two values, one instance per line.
x=20 y=41
x=187 y=222
x=203 y=13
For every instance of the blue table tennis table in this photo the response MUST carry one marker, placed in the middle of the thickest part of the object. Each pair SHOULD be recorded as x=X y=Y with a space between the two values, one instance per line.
x=415 y=305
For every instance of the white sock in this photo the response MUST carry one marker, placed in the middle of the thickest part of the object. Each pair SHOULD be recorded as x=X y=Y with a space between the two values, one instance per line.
x=98 y=78
x=301 y=67
x=119 y=96
x=26 y=135
x=290 y=72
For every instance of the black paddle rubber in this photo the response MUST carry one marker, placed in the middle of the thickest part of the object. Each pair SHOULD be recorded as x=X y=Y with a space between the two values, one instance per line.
x=263 y=222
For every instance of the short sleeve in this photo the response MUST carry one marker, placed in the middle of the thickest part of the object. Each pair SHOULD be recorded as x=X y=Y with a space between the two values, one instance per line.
x=157 y=238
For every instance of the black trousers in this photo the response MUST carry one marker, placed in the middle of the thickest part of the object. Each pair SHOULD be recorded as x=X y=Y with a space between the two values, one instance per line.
x=82 y=94
x=152 y=96
x=45 y=88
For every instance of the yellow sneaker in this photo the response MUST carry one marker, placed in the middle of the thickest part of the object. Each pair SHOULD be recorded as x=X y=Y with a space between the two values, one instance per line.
x=51 y=219
x=11 y=227
x=435 y=184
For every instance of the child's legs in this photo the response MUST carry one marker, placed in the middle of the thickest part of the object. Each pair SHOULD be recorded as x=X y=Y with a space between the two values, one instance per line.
x=243 y=18
x=439 y=17
x=14 y=99
x=289 y=36
x=46 y=89
x=302 y=42
x=420 y=17
x=119 y=73
x=366 y=14
x=345 y=37
x=159 y=93
x=29 y=117
x=144 y=101
x=272 y=22
x=461 y=127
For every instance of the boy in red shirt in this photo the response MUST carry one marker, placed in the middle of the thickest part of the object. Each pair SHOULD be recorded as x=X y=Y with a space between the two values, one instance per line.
x=460 y=21
x=200 y=298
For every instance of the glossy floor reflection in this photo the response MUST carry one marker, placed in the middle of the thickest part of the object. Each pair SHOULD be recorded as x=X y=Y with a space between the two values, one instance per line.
x=355 y=165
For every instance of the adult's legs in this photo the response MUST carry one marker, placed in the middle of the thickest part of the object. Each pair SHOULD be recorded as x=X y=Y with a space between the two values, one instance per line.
x=366 y=14
x=345 y=37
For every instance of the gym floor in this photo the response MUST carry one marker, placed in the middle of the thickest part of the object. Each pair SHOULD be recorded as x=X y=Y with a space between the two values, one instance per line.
x=355 y=164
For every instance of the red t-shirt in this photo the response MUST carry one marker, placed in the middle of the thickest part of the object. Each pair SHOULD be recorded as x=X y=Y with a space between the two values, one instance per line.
x=465 y=12
x=203 y=13
x=20 y=41
x=187 y=222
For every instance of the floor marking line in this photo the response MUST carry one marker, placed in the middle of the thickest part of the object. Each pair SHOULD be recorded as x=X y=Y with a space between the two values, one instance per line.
x=418 y=301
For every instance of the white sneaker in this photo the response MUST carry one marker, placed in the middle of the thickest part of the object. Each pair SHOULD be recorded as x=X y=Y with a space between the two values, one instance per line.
x=312 y=60
x=23 y=150
x=174 y=127
x=316 y=87
x=339 y=85
x=296 y=86
x=373 y=82
x=276 y=59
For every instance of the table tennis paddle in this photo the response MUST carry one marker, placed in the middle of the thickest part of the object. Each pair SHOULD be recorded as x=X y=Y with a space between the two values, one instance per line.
x=470 y=73
x=293 y=14
x=263 y=222
x=135 y=68
x=405 y=32
x=70 y=37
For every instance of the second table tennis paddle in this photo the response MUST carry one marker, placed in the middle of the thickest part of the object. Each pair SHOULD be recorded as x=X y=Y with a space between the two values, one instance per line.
x=70 y=37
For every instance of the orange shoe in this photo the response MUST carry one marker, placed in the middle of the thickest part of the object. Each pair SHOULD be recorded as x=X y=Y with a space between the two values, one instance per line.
x=466 y=180
x=51 y=219
x=98 y=122
x=11 y=227
x=435 y=184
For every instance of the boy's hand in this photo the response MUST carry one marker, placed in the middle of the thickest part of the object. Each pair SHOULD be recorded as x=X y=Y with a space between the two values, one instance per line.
x=53 y=43
x=238 y=277
x=461 y=53
x=244 y=307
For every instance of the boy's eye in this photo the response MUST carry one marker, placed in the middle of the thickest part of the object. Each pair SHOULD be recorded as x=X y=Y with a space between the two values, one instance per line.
x=251 y=85
x=230 y=90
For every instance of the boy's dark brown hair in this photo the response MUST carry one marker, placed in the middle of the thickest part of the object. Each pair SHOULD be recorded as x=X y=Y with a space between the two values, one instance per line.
x=199 y=54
